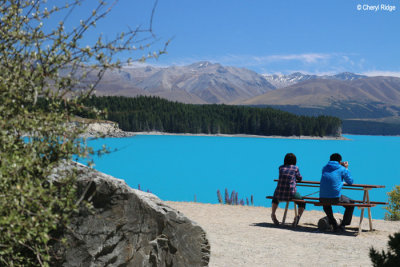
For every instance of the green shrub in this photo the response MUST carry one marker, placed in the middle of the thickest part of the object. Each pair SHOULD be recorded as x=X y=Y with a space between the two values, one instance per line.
x=393 y=208
x=390 y=258
x=35 y=55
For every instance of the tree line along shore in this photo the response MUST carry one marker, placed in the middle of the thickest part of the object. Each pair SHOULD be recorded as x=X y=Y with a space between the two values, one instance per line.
x=148 y=113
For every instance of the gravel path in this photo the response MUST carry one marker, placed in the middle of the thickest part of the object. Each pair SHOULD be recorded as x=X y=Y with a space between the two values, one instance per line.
x=246 y=236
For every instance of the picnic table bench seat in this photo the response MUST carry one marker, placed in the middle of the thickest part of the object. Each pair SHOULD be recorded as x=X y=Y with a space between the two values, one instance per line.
x=345 y=205
x=315 y=201
x=295 y=200
x=361 y=204
x=355 y=201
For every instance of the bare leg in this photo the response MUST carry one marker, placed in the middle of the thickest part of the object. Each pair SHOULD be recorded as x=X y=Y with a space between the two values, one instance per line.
x=301 y=211
x=273 y=216
x=297 y=218
x=274 y=207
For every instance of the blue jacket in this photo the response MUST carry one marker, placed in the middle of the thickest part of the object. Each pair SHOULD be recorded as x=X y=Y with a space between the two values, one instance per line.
x=332 y=178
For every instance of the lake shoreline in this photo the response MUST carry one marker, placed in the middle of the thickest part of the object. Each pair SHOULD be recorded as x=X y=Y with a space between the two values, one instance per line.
x=111 y=129
x=302 y=137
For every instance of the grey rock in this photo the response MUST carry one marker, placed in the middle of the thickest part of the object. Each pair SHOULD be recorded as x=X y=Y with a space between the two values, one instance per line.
x=325 y=226
x=128 y=227
x=105 y=129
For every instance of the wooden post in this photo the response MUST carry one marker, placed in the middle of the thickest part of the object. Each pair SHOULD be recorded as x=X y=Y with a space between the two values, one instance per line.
x=361 y=219
x=369 y=211
x=362 y=212
x=284 y=214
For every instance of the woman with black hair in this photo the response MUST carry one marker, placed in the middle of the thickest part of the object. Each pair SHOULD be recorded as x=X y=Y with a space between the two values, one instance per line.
x=289 y=175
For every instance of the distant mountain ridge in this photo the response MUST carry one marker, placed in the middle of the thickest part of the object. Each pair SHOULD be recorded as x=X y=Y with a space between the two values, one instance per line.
x=352 y=97
x=346 y=94
x=198 y=83
x=325 y=92
x=281 y=80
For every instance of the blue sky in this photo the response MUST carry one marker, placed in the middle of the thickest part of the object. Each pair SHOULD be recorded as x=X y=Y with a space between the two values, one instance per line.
x=280 y=36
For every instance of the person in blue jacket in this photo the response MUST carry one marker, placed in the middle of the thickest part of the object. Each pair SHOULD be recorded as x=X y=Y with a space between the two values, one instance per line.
x=334 y=174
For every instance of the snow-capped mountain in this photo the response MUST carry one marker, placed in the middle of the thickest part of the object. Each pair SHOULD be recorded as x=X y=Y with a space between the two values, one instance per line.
x=281 y=80
x=372 y=91
x=346 y=76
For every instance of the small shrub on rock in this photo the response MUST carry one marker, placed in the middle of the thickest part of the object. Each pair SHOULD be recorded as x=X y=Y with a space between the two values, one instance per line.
x=390 y=258
x=393 y=208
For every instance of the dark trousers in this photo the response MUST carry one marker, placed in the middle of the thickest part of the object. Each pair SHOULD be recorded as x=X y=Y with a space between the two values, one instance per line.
x=348 y=213
x=296 y=196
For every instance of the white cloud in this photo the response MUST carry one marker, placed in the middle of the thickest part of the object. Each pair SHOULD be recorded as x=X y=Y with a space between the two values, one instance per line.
x=304 y=71
x=305 y=58
x=136 y=65
x=251 y=60
x=307 y=63
x=382 y=73
x=257 y=62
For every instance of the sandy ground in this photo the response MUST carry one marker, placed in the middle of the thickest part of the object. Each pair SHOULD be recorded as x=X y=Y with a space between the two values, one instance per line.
x=246 y=236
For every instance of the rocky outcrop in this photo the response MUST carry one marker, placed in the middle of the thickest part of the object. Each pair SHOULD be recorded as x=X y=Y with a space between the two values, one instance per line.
x=127 y=227
x=105 y=129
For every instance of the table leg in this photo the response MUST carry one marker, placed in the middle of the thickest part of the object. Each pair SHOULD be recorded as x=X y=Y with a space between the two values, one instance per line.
x=361 y=219
x=284 y=214
x=362 y=212
x=369 y=212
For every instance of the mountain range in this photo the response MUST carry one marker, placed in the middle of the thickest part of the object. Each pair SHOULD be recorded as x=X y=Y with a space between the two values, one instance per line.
x=325 y=92
x=345 y=95
x=198 y=83
x=280 y=81
x=211 y=83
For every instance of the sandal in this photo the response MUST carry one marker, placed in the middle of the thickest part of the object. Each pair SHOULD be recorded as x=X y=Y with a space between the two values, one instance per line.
x=296 y=221
x=274 y=219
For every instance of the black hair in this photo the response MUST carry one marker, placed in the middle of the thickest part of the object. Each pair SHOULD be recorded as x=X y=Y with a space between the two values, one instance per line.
x=336 y=157
x=290 y=159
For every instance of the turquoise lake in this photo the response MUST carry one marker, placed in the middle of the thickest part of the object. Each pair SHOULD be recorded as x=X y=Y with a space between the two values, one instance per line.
x=184 y=168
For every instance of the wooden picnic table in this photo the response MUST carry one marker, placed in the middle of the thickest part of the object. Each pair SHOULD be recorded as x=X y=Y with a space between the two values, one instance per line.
x=364 y=203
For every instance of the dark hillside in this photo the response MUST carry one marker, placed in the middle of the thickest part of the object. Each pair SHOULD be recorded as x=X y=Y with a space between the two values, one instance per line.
x=370 y=127
x=368 y=119
x=156 y=114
